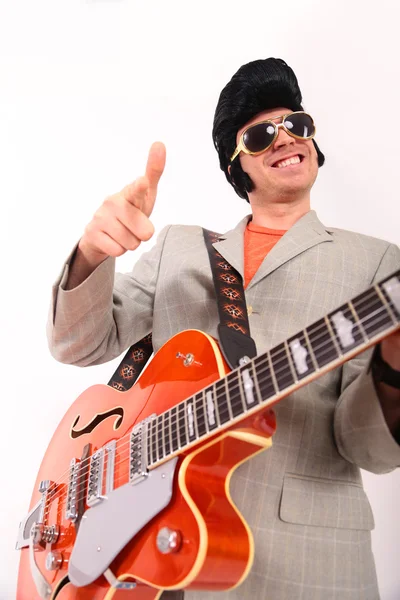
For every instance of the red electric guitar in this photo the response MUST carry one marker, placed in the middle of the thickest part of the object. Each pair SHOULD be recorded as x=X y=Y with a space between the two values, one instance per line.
x=132 y=497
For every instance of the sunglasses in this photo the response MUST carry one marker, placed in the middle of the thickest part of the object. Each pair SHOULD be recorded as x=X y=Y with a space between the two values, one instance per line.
x=257 y=138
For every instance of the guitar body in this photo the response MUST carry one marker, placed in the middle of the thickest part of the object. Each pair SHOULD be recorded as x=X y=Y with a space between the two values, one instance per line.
x=215 y=549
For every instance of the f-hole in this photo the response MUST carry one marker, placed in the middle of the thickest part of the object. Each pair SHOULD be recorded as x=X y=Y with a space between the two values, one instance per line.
x=99 y=418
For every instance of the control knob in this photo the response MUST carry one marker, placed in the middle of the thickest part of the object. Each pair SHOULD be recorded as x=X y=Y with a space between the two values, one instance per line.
x=168 y=540
x=54 y=560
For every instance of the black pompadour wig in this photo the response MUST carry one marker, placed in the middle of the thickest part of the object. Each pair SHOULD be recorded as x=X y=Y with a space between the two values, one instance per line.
x=257 y=86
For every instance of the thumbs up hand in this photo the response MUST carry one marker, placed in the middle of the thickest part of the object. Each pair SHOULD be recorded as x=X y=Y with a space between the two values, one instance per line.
x=122 y=221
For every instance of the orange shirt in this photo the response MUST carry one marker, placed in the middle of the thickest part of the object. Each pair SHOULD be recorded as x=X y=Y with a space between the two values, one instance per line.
x=258 y=241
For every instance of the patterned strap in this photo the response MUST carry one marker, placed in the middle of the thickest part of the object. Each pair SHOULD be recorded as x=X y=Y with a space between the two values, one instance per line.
x=228 y=287
x=132 y=364
x=233 y=329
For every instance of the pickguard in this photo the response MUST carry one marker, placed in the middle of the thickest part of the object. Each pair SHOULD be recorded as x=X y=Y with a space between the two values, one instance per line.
x=107 y=527
x=99 y=418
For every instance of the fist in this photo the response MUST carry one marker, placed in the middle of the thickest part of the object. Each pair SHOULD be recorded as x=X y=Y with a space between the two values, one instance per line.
x=122 y=221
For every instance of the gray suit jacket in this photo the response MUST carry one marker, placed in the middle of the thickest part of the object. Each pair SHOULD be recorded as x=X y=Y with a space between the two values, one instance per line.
x=303 y=499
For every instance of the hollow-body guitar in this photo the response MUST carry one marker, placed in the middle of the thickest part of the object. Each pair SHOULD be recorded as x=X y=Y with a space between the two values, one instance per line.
x=132 y=496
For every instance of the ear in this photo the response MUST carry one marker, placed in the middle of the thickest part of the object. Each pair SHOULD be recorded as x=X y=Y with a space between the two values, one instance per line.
x=229 y=169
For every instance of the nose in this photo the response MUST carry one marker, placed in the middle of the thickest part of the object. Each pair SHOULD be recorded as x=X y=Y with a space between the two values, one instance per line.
x=283 y=139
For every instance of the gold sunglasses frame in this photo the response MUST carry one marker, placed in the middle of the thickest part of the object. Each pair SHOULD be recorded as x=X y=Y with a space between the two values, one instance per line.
x=242 y=148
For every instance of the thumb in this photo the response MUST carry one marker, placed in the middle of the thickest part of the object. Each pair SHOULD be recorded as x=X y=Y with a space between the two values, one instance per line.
x=154 y=169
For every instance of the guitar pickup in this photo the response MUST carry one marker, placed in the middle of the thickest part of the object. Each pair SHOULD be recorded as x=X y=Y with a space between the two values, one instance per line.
x=101 y=474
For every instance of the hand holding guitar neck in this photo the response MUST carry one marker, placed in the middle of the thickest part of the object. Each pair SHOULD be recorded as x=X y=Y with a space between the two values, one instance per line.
x=122 y=221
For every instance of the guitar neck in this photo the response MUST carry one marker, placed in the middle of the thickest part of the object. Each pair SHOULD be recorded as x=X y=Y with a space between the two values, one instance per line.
x=264 y=380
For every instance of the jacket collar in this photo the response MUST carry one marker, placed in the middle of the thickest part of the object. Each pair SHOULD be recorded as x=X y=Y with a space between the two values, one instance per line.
x=307 y=232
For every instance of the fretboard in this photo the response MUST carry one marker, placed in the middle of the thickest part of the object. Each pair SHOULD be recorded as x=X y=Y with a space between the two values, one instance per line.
x=262 y=381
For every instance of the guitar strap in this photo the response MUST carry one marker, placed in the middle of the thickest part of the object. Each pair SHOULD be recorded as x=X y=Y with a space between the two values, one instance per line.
x=233 y=328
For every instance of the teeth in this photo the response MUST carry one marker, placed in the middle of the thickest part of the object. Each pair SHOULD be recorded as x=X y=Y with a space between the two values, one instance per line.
x=294 y=160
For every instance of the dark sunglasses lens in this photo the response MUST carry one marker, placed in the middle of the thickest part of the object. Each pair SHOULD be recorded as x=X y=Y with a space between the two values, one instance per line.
x=259 y=137
x=300 y=124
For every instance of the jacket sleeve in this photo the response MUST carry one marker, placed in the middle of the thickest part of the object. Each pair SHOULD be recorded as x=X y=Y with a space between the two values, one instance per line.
x=99 y=319
x=361 y=433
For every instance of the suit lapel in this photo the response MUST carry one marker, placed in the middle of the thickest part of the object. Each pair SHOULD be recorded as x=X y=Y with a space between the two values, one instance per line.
x=231 y=247
x=305 y=233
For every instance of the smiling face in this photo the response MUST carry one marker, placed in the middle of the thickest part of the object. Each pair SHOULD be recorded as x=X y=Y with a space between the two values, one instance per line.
x=286 y=170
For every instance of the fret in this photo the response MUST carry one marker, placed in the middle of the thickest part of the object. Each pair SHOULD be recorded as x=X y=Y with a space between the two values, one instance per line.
x=281 y=367
x=156 y=438
x=153 y=438
x=182 y=427
x=190 y=420
x=301 y=354
x=211 y=411
x=372 y=312
x=272 y=373
x=386 y=303
x=357 y=320
x=248 y=390
x=256 y=384
x=228 y=399
x=291 y=364
x=217 y=413
x=312 y=355
x=222 y=401
x=174 y=429
x=235 y=393
x=160 y=445
x=333 y=336
x=266 y=382
x=200 y=415
x=170 y=431
x=196 y=426
x=148 y=442
x=347 y=330
x=391 y=290
x=321 y=342
x=167 y=433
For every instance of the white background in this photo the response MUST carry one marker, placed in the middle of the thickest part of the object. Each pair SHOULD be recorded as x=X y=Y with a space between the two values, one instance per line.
x=85 y=88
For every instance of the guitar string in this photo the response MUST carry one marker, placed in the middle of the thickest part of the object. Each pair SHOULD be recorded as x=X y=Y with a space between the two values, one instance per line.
x=180 y=422
x=154 y=434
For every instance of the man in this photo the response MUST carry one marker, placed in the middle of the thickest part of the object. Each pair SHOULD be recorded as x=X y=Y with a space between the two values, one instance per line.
x=303 y=499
